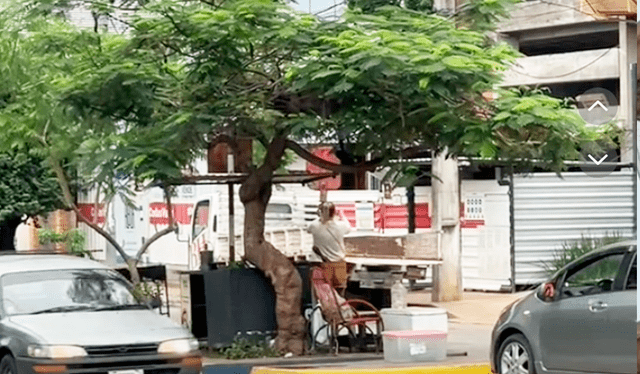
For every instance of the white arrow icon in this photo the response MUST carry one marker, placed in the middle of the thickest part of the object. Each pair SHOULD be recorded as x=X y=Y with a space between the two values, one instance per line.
x=599 y=161
x=601 y=106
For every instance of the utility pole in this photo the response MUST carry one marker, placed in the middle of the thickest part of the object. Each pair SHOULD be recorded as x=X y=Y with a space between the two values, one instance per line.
x=411 y=208
x=232 y=234
x=628 y=57
x=445 y=190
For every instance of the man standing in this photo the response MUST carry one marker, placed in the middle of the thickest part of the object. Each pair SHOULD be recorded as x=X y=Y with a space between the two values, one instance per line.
x=328 y=243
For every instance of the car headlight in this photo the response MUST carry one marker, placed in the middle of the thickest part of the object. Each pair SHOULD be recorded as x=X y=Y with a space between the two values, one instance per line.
x=178 y=346
x=55 y=351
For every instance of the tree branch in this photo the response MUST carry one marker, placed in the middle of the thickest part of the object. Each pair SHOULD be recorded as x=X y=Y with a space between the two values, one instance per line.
x=371 y=165
x=338 y=168
x=69 y=201
x=163 y=232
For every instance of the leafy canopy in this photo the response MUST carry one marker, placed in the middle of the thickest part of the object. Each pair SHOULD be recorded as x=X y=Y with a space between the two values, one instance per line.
x=141 y=106
x=27 y=186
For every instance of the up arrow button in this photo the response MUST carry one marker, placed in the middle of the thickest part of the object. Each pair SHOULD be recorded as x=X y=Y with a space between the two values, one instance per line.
x=600 y=104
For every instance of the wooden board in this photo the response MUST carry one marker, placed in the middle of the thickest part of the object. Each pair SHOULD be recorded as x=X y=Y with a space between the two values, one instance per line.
x=421 y=246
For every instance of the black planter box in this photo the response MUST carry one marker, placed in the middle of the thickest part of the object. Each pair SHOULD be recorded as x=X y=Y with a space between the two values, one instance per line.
x=239 y=303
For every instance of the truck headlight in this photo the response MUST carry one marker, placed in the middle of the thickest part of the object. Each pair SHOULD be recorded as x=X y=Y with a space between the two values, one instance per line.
x=178 y=346
x=55 y=351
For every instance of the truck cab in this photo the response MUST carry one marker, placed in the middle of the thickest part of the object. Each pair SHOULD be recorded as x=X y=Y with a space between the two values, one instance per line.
x=285 y=228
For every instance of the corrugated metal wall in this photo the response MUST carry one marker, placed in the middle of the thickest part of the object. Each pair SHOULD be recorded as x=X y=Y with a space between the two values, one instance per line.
x=550 y=211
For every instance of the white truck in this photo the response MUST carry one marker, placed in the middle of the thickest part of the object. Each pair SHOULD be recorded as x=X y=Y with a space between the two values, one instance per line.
x=377 y=259
x=209 y=232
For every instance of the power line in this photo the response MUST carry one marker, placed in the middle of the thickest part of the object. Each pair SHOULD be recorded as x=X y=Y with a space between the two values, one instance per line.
x=329 y=8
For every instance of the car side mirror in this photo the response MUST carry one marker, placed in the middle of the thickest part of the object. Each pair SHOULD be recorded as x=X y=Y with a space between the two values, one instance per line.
x=548 y=291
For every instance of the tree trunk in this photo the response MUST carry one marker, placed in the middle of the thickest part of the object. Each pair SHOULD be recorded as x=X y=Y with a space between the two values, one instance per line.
x=8 y=233
x=132 y=264
x=255 y=193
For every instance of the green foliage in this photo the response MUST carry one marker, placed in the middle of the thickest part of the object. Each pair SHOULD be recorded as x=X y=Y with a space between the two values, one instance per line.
x=75 y=240
x=146 y=290
x=571 y=251
x=395 y=77
x=484 y=15
x=419 y=5
x=260 y=152
x=369 y=6
x=27 y=186
x=399 y=77
x=612 y=134
x=527 y=124
x=245 y=348
x=236 y=265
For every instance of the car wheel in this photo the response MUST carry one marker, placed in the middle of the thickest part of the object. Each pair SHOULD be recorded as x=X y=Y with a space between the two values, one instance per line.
x=514 y=356
x=8 y=365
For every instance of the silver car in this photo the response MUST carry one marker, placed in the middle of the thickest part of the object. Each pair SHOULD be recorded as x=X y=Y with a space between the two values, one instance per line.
x=583 y=320
x=65 y=314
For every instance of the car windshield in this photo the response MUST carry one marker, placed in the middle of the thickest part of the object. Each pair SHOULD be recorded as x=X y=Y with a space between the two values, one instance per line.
x=64 y=291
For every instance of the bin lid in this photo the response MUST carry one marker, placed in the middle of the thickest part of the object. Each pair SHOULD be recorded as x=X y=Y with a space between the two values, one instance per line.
x=413 y=311
x=417 y=334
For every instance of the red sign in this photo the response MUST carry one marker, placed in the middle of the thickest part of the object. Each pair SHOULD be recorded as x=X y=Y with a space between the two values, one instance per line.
x=387 y=216
x=89 y=212
x=158 y=214
x=397 y=216
x=327 y=154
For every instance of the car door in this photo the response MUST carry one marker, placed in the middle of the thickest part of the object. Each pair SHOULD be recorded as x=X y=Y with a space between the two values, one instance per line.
x=573 y=326
x=618 y=342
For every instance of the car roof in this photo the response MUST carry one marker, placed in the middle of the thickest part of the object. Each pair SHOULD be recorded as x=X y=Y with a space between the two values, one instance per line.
x=18 y=263
x=623 y=243
x=628 y=242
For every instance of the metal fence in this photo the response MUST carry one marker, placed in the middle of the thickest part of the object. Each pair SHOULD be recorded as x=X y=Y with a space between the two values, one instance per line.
x=551 y=211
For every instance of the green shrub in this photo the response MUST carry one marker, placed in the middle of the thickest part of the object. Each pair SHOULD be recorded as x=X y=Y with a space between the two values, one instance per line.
x=245 y=348
x=75 y=240
x=146 y=290
x=576 y=249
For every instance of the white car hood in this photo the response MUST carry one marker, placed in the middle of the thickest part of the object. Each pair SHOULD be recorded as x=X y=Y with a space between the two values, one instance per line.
x=88 y=328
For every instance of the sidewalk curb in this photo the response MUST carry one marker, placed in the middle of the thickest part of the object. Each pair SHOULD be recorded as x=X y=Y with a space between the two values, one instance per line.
x=295 y=361
x=468 y=369
x=307 y=360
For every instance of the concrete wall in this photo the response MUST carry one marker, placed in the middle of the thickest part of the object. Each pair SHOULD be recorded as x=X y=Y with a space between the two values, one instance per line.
x=579 y=66
x=538 y=14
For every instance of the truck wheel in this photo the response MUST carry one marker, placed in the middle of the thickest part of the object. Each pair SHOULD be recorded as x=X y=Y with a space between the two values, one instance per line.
x=8 y=365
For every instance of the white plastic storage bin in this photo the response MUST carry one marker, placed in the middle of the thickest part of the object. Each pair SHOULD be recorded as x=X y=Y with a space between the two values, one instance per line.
x=413 y=346
x=415 y=318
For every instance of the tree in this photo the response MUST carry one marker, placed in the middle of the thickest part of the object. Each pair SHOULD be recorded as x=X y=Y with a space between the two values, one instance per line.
x=389 y=84
x=27 y=189
x=40 y=60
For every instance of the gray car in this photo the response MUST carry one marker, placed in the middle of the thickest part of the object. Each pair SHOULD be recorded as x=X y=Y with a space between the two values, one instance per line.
x=583 y=320
x=64 y=314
